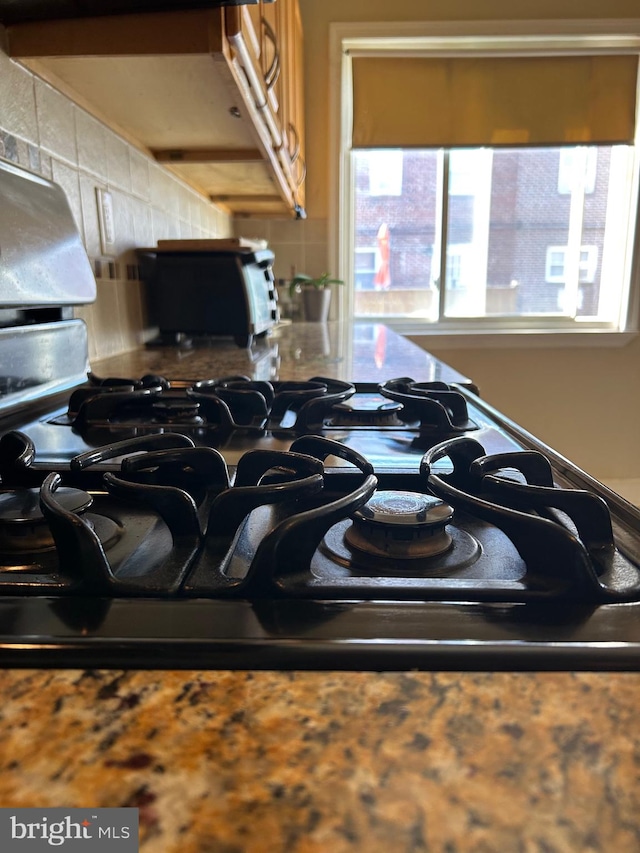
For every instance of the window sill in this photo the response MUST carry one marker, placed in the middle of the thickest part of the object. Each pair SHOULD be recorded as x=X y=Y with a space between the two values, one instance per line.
x=511 y=338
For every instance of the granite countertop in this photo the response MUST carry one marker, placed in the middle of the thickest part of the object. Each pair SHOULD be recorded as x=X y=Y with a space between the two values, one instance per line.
x=329 y=762
x=360 y=352
x=261 y=762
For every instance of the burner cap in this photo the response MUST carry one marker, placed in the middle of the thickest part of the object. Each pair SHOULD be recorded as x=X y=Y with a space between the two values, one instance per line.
x=405 y=508
x=22 y=506
x=177 y=411
x=22 y=525
x=402 y=525
x=152 y=380
x=366 y=411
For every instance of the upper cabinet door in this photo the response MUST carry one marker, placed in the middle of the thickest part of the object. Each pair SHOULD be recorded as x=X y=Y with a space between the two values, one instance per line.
x=203 y=90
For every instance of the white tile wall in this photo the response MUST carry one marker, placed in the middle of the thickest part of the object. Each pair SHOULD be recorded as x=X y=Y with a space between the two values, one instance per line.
x=44 y=131
x=17 y=101
x=299 y=246
x=56 y=117
x=92 y=145
x=139 y=175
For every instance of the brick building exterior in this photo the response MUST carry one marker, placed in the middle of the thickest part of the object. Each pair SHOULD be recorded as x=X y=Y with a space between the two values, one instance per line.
x=526 y=208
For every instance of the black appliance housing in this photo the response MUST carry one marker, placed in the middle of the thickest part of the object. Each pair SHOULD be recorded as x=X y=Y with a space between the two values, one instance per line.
x=213 y=293
x=184 y=562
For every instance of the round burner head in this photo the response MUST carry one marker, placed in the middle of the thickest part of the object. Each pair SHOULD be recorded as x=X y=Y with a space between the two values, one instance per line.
x=401 y=525
x=366 y=411
x=152 y=380
x=22 y=525
x=177 y=411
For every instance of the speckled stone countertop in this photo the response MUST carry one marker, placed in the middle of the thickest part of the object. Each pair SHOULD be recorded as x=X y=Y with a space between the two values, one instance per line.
x=361 y=352
x=236 y=762
x=328 y=762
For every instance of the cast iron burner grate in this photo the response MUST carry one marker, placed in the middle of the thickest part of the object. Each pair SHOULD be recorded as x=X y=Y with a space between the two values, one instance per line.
x=556 y=546
x=171 y=522
x=168 y=498
x=564 y=536
x=237 y=403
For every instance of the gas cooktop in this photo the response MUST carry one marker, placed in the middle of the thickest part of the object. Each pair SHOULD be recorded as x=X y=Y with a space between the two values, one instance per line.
x=392 y=424
x=241 y=524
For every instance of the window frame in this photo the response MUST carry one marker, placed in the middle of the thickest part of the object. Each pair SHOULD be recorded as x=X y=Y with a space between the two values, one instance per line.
x=491 y=37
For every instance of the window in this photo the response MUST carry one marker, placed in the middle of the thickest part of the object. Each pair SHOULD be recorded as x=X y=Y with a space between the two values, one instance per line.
x=454 y=267
x=556 y=266
x=365 y=268
x=577 y=165
x=508 y=233
x=385 y=172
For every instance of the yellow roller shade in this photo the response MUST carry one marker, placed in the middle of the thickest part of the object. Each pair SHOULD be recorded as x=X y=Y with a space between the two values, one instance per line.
x=447 y=102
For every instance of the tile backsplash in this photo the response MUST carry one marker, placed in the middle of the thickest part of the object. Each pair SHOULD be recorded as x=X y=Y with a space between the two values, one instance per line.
x=44 y=131
x=299 y=246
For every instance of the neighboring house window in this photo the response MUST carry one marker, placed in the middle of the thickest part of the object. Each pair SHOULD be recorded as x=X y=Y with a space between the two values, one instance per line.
x=365 y=268
x=454 y=267
x=465 y=171
x=385 y=172
x=556 y=266
x=577 y=165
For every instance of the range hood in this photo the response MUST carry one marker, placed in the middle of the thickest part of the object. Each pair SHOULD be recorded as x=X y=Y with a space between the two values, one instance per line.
x=42 y=260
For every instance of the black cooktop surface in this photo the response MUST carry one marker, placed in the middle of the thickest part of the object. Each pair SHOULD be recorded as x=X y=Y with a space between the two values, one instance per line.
x=475 y=550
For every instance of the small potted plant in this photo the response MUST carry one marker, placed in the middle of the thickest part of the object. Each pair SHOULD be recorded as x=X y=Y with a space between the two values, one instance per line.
x=316 y=294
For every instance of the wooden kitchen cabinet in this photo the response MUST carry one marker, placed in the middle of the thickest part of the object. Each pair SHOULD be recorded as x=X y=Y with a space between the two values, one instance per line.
x=292 y=93
x=272 y=34
x=213 y=94
x=274 y=31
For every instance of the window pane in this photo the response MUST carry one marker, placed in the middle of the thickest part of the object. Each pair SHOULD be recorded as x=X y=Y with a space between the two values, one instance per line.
x=468 y=231
x=519 y=241
x=574 y=169
x=399 y=266
x=385 y=172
